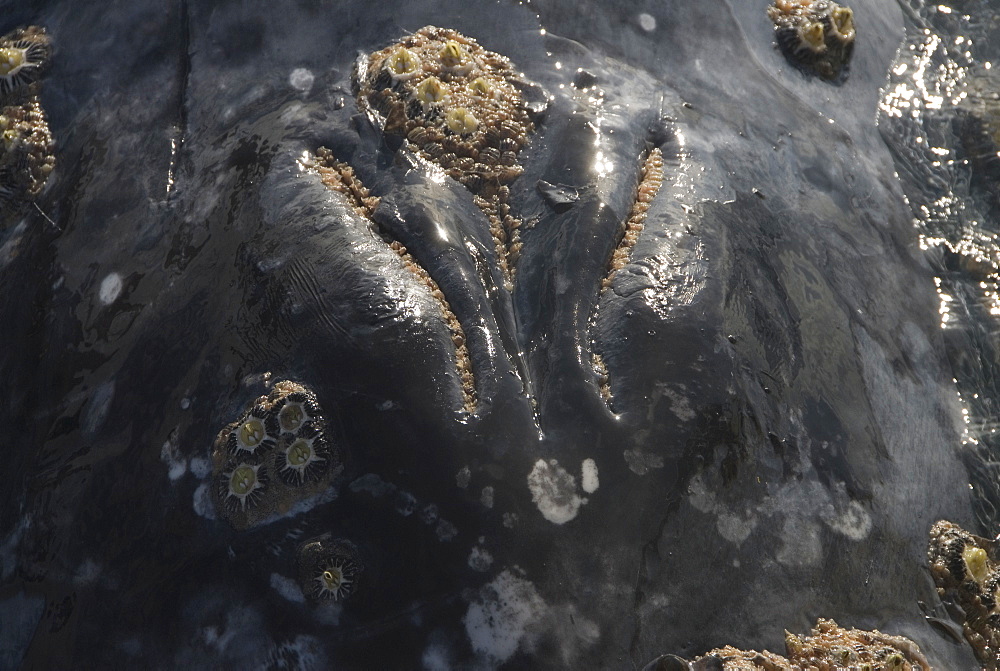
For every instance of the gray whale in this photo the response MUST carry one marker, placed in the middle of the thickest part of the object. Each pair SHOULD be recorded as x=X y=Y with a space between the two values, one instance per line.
x=784 y=429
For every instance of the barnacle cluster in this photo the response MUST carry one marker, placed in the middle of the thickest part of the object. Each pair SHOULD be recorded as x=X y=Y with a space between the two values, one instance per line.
x=460 y=106
x=828 y=647
x=816 y=34
x=330 y=569
x=276 y=454
x=967 y=573
x=338 y=176
x=27 y=152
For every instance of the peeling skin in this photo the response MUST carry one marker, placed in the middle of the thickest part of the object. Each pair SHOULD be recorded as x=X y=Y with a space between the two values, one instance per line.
x=276 y=454
x=338 y=176
x=459 y=106
x=817 y=35
x=27 y=151
x=967 y=573
x=828 y=647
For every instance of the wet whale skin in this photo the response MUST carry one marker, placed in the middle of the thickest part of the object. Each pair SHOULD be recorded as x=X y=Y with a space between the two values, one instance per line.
x=783 y=425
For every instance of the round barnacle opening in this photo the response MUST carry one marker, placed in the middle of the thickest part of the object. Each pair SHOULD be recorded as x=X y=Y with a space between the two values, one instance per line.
x=454 y=57
x=402 y=64
x=9 y=138
x=812 y=37
x=330 y=570
x=461 y=121
x=243 y=486
x=292 y=416
x=12 y=59
x=303 y=460
x=431 y=90
x=251 y=438
x=251 y=433
x=975 y=563
x=842 y=24
x=334 y=582
x=481 y=87
x=895 y=662
x=21 y=62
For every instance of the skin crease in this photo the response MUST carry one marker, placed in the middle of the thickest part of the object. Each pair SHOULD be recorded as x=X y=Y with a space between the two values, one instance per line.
x=781 y=403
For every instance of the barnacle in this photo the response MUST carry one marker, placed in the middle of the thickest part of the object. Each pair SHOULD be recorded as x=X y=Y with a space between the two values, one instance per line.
x=243 y=486
x=812 y=37
x=402 y=64
x=966 y=572
x=285 y=433
x=454 y=57
x=842 y=24
x=480 y=86
x=255 y=436
x=461 y=121
x=302 y=460
x=816 y=35
x=431 y=90
x=828 y=646
x=295 y=409
x=483 y=108
x=329 y=569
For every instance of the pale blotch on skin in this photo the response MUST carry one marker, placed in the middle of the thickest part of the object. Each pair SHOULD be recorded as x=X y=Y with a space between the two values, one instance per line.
x=553 y=490
x=111 y=288
x=589 y=480
x=301 y=79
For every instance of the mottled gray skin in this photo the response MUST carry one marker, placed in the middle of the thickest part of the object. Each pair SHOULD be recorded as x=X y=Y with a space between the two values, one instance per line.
x=786 y=430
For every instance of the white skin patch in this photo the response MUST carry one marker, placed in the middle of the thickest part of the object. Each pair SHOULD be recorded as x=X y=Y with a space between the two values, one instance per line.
x=509 y=615
x=480 y=559
x=497 y=623
x=111 y=288
x=553 y=490
x=588 y=476
x=853 y=522
x=647 y=23
x=287 y=588
x=301 y=79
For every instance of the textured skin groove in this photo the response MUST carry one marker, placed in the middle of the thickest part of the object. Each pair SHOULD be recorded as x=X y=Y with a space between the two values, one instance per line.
x=338 y=176
x=649 y=185
x=650 y=181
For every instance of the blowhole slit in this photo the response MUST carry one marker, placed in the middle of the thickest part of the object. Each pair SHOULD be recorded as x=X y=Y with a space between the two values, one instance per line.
x=339 y=176
x=650 y=181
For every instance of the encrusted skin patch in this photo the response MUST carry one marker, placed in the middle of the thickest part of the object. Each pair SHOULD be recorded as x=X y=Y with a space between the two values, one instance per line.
x=461 y=107
x=817 y=35
x=276 y=454
x=828 y=647
x=27 y=151
x=967 y=573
